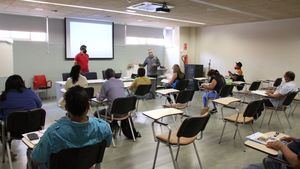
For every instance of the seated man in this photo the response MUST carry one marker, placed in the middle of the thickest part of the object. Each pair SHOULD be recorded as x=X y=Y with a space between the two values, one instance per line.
x=113 y=88
x=72 y=131
x=278 y=95
x=290 y=154
x=141 y=80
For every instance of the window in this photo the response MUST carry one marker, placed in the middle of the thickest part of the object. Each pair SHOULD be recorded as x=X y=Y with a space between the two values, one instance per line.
x=144 y=41
x=24 y=35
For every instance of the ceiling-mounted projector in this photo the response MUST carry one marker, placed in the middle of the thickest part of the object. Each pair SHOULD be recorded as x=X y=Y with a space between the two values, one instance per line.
x=163 y=9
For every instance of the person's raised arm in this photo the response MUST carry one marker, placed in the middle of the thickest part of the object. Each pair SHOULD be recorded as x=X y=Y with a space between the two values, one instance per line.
x=173 y=78
x=144 y=64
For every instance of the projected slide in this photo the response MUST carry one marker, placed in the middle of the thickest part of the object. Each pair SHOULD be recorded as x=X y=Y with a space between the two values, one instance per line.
x=96 y=35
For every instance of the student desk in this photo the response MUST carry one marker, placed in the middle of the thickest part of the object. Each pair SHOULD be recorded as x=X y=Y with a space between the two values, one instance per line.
x=225 y=101
x=157 y=114
x=261 y=147
x=31 y=143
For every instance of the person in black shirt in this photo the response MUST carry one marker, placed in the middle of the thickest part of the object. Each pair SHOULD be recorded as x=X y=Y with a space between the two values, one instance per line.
x=213 y=88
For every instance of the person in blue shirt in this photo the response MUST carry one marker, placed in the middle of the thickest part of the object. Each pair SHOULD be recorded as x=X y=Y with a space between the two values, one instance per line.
x=75 y=130
x=17 y=97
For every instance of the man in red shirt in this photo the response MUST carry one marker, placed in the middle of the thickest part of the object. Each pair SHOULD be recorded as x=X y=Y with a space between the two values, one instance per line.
x=82 y=59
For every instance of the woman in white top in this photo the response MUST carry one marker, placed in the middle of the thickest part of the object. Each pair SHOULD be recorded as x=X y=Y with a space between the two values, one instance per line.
x=76 y=78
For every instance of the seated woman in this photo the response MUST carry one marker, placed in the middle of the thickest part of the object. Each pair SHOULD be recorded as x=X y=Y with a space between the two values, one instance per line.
x=141 y=80
x=17 y=97
x=76 y=78
x=238 y=75
x=176 y=77
x=215 y=85
x=75 y=130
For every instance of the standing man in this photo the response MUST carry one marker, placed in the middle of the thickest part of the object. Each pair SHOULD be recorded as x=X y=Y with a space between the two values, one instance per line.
x=82 y=59
x=152 y=63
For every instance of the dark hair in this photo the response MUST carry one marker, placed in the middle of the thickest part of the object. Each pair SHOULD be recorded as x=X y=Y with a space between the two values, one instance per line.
x=213 y=73
x=141 y=72
x=77 y=101
x=74 y=74
x=83 y=48
x=290 y=75
x=239 y=64
x=109 y=73
x=14 y=82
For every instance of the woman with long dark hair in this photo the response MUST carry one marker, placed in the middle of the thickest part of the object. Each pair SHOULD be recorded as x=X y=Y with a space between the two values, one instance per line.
x=17 y=97
x=76 y=78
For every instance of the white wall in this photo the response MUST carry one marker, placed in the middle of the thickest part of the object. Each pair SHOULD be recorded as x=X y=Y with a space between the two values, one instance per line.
x=30 y=58
x=266 y=49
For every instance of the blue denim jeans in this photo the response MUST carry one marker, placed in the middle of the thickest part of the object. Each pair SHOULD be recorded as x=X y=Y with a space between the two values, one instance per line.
x=267 y=163
x=209 y=95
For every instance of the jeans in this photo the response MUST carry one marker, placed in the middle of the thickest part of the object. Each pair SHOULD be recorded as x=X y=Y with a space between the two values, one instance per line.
x=209 y=95
x=268 y=163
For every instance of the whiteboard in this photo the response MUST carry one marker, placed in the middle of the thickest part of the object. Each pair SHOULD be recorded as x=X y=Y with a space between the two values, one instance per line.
x=6 y=58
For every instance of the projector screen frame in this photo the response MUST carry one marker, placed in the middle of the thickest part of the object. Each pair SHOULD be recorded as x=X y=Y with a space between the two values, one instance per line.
x=67 y=38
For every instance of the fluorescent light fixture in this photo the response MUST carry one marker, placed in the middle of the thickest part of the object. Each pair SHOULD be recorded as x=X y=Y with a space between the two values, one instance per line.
x=131 y=11
x=113 y=11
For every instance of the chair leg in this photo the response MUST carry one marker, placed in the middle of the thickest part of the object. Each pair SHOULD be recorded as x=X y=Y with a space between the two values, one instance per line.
x=3 y=141
x=236 y=129
x=98 y=166
x=172 y=156
x=177 y=153
x=137 y=105
x=133 y=136
x=262 y=120
x=270 y=117
x=277 y=115
x=9 y=155
x=155 y=156
x=286 y=116
x=198 y=157
x=222 y=131
x=251 y=126
x=113 y=142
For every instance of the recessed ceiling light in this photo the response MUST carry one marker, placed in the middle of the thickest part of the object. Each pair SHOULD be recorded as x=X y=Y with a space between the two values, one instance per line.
x=140 y=20
x=132 y=11
x=38 y=9
x=113 y=11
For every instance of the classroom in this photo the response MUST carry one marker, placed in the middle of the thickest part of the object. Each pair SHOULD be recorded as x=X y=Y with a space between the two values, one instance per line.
x=222 y=75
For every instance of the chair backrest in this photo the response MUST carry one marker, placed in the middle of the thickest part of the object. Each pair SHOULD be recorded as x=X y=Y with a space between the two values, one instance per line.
x=185 y=96
x=226 y=90
x=254 y=109
x=39 y=81
x=90 y=75
x=78 y=158
x=289 y=98
x=191 y=126
x=254 y=85
x=123 y=105
x=90 y=91
x=142 y=90
x=277 y=82
x=182 y=84
x=65 y=76
x=20 y=122
x=118 y=75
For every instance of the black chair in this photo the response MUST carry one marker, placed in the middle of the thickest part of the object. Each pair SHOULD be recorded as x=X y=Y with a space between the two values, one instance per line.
x=79 y=158
x=251 y=113
x=277 y=82
x=141 y=93
x=90 y=75
x=286 y=103
x=65 y=76
x=103 y=74
x=186 y=134
x=226 y=90
x=182 y=84
x=18 y=123
x=121 y=110
x=182 y=100
x=118 y=75
x=90 y=92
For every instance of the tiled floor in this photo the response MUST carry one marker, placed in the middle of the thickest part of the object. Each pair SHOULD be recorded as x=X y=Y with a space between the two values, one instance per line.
x=135 y=155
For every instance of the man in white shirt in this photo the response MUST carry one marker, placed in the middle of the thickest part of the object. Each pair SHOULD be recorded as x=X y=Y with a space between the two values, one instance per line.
x=278 y=96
